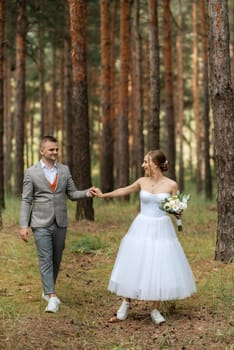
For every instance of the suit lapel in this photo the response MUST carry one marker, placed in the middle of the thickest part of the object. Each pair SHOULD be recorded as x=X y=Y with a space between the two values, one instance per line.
x=59 y=170
x=42 y=176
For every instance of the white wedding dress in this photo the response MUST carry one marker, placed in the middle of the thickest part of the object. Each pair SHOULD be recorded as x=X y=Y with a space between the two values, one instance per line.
x=151 y=264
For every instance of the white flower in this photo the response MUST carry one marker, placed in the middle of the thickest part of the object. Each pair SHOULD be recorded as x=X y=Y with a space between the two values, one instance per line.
x=175 y=205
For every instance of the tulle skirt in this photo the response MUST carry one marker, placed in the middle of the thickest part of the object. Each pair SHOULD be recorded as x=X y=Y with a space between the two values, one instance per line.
x=151 y=264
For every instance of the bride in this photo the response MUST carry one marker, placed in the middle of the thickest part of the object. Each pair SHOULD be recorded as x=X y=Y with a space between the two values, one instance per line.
x=150 y=264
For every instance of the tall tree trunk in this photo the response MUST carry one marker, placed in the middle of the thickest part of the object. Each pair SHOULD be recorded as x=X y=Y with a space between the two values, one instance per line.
x=32 y=130
x=2 y=23
x=169 y=108
x=8 y=127
x=20 y=95
x=123 y=132
x=154 y=62
x=180 y=96
x=206 y=117
x=196 y=110
x=222 y=102
x=60 y=113
x=53 y=95
x=68 y=106
x=232 y=41
x=137 y=93
x=107 y=180
x=26 y=136
x=41 y=65
x=114 y=99
x=82 y=171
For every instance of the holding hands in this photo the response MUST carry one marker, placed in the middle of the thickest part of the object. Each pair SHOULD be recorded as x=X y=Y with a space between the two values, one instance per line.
x=96 y=192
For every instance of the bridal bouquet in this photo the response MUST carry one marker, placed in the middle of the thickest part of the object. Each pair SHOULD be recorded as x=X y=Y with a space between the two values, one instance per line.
x=175 y=205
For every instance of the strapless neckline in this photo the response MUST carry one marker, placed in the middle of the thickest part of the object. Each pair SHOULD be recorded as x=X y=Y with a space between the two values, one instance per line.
x=154 y=194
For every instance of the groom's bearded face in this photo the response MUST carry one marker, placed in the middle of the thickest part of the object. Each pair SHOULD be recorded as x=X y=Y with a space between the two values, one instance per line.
x=49 y=151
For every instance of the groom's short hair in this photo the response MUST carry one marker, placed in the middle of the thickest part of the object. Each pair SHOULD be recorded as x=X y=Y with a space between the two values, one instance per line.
x=48 y=138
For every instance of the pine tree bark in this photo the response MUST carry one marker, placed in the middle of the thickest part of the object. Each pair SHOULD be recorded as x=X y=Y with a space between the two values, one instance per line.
x=114 y=91
x=41 y=63
x=232 y=41
x=107 y=180
x=60 y=123
x=196 y=102
x=2 y=23
x=8 y=126
x=82 y=171
x=206 y=109
x=68 y=106
x=154 y=67
x=222 y=102
x=169 y=108
x=20 y=95
x=123 y=132
x=180 y=96
x=53 y=95
x=32 y=123
x=113 y=83
x=137 y=93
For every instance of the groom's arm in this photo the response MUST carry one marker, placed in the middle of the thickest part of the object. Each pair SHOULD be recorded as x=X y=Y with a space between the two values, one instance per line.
x=72 y=192
x=26 y=205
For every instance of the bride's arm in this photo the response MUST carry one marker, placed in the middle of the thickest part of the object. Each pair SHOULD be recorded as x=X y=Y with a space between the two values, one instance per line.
x=123 y=191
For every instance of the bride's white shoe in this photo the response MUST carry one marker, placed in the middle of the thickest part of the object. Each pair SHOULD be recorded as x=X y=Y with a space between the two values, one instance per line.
x=122 y=313
x=157 y=317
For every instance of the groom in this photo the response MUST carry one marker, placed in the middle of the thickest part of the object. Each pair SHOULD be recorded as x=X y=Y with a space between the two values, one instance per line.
x=46 y=187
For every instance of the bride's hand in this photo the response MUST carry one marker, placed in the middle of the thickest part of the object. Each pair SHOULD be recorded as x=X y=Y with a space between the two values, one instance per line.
x=179 y=215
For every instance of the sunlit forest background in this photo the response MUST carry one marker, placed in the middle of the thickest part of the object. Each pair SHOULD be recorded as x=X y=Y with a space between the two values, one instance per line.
x=47 y=68
x=112 y=80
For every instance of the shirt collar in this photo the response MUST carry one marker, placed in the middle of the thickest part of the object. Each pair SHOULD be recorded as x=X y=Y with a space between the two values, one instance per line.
x=43 y=165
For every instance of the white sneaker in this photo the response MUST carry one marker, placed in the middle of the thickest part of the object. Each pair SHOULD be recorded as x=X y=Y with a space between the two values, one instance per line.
x=47 y=298
x=122 y=313
x=157 y=317
x=53 y=305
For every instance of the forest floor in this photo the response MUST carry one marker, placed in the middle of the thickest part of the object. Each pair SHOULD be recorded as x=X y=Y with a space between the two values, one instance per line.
x=202 y=322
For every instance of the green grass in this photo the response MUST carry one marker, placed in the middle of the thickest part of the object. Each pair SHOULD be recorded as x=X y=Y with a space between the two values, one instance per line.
x=88 y=260
x=87 y=245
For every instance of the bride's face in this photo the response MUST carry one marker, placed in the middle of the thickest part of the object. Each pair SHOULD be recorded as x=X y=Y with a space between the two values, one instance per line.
x=146 y=165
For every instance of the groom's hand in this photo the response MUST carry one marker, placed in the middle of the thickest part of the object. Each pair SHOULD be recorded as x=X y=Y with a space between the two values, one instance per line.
x=92 y=191
x=95 y=191
x=24 y=233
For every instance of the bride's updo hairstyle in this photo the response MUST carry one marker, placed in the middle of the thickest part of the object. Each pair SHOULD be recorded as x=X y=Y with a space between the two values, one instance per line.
x=159 y=158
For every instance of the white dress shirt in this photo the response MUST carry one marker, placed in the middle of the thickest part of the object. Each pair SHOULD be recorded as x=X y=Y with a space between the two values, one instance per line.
x=50 y=173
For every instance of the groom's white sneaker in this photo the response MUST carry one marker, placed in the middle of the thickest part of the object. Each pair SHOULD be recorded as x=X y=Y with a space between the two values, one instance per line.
x=47 y=298
x=157 y=317
x=122 y=313
x=53 y=305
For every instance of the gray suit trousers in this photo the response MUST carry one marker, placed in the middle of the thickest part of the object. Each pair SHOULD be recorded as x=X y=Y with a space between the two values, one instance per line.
x=50 y=243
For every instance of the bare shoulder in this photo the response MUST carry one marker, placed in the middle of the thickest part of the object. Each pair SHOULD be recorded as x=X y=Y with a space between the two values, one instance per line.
x=173 y=184
x=142 y=180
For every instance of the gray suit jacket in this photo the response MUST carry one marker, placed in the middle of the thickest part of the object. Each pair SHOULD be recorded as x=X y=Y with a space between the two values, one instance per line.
x=40 y=206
